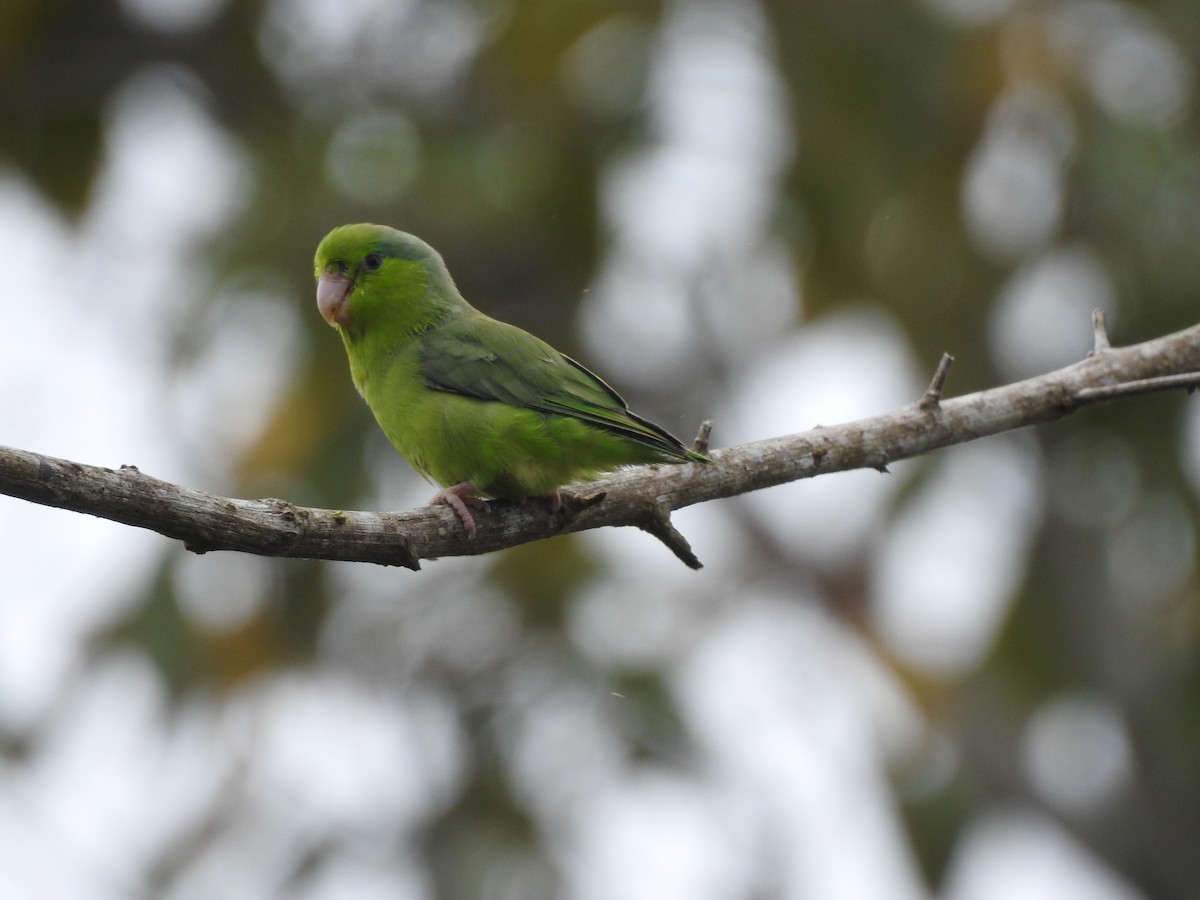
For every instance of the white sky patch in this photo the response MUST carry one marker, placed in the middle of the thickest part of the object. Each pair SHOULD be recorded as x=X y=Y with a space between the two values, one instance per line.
x=118 y=777
x=1042 y=319
x=1013 y=194
x=796 y=719
x=952 y=559
x=67 y=389
x=1077 y=754
x=221 y=394
x=172 y=179
x=221 y=597
x=846 y=366
x=618 y=623
x=174 y=16
x=660 y=834
x=1007 y=853
x=563 y=744
x=1135 y=72
x=84 y=377
x=384 y=760
x=450 y=620
x=331 y=51
x=309 y=38
x=690 y=210
x=372 y=876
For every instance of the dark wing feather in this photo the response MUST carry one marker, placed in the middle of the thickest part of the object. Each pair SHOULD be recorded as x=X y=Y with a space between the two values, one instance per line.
x=490 y=360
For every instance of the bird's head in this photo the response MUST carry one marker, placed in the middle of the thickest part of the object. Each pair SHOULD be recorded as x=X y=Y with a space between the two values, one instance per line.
x=369 y=275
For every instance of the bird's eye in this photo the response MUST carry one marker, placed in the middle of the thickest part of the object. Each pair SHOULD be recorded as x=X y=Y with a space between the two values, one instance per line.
x=372 y=261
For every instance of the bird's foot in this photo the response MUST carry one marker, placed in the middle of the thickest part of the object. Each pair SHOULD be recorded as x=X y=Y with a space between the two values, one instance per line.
x=554 y=498
x=459 y=497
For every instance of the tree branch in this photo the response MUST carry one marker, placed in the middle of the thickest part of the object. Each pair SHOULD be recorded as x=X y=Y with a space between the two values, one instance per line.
x=643 y=497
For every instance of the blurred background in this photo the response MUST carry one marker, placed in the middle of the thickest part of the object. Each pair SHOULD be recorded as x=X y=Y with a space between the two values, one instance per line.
x=973 y=678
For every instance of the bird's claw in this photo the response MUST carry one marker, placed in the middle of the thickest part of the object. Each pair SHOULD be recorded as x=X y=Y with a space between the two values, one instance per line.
x=459 y=498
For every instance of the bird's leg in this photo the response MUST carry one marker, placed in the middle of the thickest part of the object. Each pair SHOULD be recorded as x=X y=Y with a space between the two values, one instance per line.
x=458 y=498
x=555 y=500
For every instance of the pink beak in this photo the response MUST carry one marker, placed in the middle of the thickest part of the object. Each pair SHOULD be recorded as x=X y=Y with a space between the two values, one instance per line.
x=333 y=295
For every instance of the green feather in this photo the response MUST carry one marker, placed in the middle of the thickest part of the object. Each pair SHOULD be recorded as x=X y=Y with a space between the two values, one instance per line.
x=480 y=357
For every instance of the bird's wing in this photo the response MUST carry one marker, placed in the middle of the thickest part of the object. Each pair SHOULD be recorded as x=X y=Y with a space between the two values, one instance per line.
x=480 y=357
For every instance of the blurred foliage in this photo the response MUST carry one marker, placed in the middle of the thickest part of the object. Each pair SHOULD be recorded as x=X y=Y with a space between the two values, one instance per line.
x=499 y=162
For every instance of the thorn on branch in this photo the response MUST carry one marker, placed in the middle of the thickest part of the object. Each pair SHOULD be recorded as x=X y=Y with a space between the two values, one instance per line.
x=932 y=398
x=1100 y=333
x=573 y=504
x=700 y=444
x=656 y=520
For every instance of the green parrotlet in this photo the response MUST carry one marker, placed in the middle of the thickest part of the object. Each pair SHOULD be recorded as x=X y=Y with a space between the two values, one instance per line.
x=481 y=407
